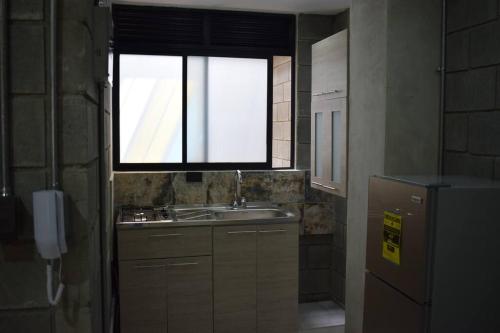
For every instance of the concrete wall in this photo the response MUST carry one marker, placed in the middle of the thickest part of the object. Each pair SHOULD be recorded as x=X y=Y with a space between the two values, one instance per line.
x=393 y=114
x=367 y=107
x=413 y=83
x=472 y=117
x=23 y=300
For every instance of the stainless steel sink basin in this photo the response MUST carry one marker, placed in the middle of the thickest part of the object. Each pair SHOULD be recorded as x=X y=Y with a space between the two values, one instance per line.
x=195 y=214
x=226 y=213
x=249 y=214
x=217 y=214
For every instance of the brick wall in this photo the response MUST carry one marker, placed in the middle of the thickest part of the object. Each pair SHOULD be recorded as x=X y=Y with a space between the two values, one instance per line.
x=472 y=117
x=23 y=300
x=282 y=115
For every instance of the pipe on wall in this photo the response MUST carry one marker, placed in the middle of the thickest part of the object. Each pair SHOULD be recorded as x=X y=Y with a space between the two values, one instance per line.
x=53 y=95
x=4 y=101
x=442 y=91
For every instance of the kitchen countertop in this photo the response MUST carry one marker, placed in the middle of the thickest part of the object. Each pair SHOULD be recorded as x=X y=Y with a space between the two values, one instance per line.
x=288 y=219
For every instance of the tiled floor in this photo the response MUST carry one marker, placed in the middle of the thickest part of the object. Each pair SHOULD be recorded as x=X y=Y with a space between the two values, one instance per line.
x=321 y=317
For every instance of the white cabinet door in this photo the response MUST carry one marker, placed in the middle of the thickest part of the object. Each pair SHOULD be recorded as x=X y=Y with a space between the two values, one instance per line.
x=329 y=114
x=277 y=278
x=329 y=144
x=235 y=279
x=329 y=66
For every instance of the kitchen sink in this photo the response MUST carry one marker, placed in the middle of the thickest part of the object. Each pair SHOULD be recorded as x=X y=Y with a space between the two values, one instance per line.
x=226 y=213
x=249 y=214
x=195 y=214
x=214 y=214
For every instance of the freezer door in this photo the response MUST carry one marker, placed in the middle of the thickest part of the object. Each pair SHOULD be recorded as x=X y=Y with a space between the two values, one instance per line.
x=396 y=248
x=389 y=311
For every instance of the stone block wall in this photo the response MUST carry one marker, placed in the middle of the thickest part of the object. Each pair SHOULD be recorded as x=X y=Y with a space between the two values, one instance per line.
x=23 y=300
x=472 y=117
x=282 y=111
x=315 y=259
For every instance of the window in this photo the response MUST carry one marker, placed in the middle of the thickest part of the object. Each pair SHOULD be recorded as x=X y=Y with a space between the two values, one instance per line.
x=227 y=110
x=150 y=109
x=209 y=93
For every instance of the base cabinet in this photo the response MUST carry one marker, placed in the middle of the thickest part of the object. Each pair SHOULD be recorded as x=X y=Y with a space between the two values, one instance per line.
x=277 y=278
x=166 y=295
x=235 y=278
x=189 y=295
x=143 y=296
x=256 y=279
x=246 y=283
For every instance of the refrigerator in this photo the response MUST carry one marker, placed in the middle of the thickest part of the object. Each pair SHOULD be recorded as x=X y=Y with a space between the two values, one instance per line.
x=432 y=255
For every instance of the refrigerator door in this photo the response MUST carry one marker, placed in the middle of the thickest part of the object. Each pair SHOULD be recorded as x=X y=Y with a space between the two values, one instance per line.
x=397 y=235
x=389 y=311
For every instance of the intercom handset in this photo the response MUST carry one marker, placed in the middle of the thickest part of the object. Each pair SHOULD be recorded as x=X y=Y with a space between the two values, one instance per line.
x=50 y=236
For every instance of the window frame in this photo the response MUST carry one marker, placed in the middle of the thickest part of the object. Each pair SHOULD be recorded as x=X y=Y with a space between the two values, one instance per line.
x=203 y=50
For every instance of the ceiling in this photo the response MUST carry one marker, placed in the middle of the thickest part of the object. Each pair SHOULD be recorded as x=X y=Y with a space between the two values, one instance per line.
x=276 y=6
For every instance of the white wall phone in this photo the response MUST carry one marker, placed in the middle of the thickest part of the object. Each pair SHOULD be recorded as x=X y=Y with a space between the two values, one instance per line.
x=48 y=206
x=48 y=214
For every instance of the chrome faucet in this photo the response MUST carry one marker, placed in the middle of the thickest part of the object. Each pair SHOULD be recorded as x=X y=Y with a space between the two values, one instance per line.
x=239 y=201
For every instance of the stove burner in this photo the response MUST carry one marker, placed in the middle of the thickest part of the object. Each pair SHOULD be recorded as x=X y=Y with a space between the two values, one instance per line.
x=143 y=214
x=140 y=217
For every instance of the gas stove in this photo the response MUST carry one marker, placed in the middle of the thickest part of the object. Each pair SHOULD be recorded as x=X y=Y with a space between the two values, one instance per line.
x=132 y=214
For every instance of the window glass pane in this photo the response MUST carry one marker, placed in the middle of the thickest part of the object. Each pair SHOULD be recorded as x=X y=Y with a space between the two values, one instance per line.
x=150 y=109
x=336 y=135
x=227 y=110
x=318 y=139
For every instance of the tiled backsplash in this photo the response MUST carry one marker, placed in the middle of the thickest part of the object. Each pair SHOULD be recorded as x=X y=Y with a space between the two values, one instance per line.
x=285 y=188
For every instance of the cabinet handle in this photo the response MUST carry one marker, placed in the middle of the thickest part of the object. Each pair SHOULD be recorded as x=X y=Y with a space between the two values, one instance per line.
x=166 y=235
x=336 y=91
x=271 y=231
x=241 y=232
x=183 y=264
x=328 y=187
x=148 y=266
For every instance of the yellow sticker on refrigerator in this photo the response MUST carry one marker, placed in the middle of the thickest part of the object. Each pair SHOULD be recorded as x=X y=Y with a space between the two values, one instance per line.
x=391 y=245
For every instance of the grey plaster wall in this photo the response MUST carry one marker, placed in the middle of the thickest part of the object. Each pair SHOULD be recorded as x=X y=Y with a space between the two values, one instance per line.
x=23 y=300
x=367 y=106
x=472 y=117
x=413 y=83
x=393 y=115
